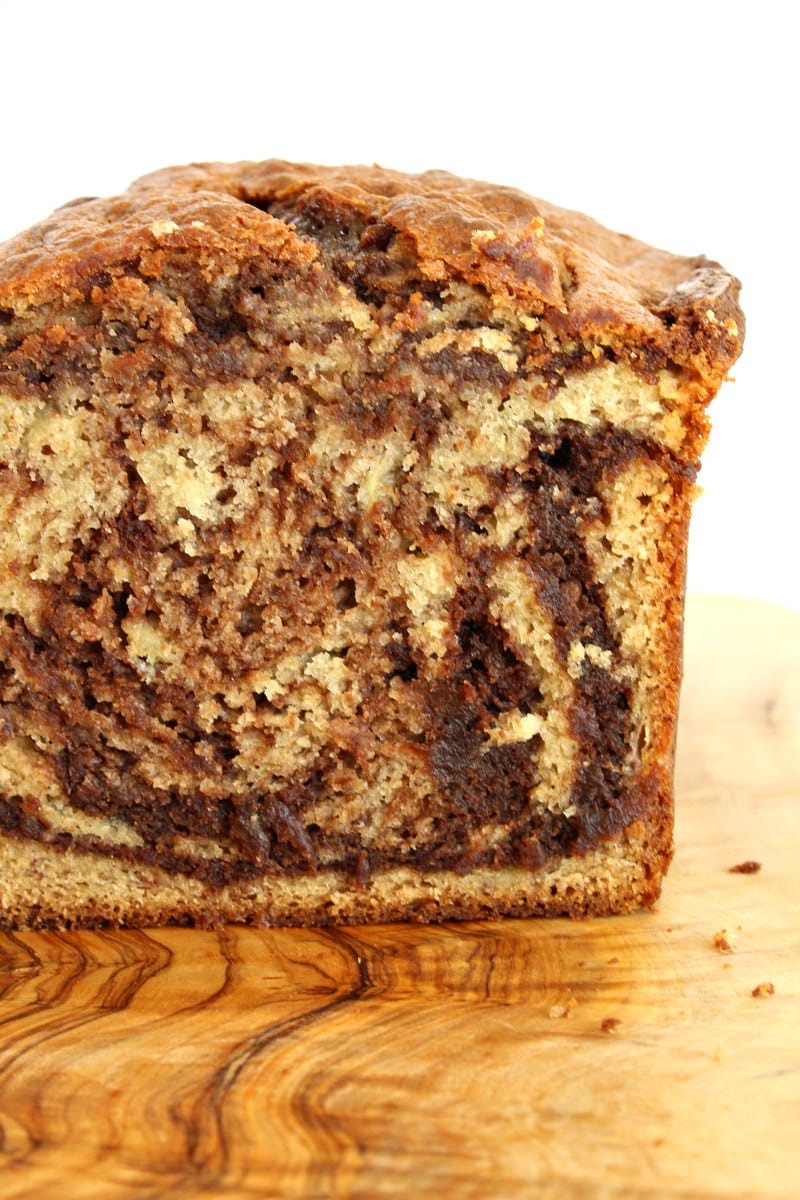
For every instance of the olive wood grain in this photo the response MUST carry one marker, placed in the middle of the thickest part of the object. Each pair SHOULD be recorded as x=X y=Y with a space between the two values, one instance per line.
x=624 y=1057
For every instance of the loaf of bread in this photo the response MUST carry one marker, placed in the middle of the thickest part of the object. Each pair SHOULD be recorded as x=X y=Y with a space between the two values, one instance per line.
x=344 y=517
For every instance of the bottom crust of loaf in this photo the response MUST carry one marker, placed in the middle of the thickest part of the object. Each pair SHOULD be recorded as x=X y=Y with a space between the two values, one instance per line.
x=90 y=890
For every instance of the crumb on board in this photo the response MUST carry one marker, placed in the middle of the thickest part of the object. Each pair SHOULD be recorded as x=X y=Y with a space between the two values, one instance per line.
x=610 y=1024
x=563 y=1009
x=764 y=989
x=557 y=1011
x=725 y=940
x=749 y=867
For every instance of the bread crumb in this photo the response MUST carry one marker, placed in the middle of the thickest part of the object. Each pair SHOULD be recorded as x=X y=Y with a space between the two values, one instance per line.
x=563 y=1009
x=764 y=989
x=725 y=941
x=481 y=236
x=610 y=1024
x=160 y=229
x=750 y=867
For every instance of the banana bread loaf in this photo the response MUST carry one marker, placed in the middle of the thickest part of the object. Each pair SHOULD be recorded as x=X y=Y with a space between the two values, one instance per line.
x=344 y=516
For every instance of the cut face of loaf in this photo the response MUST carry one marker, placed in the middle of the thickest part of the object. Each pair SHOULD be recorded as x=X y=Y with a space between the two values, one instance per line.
x=344 y=520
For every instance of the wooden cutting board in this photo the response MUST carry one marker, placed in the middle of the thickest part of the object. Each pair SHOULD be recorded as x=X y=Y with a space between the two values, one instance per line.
x=625 y=1057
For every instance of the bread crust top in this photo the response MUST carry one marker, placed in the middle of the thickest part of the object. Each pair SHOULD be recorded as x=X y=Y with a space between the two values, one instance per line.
x=584 y=280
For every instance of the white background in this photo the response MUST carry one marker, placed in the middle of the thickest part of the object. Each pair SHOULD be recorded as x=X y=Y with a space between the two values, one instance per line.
x=674 y=121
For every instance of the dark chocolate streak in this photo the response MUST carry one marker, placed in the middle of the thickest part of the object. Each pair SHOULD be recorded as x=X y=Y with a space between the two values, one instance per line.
x=471 y=786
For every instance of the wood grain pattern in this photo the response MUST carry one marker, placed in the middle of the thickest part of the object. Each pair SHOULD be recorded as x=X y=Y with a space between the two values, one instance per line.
x=480 y=1060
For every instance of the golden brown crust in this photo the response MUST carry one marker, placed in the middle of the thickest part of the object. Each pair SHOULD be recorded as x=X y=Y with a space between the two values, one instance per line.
x=537 y=256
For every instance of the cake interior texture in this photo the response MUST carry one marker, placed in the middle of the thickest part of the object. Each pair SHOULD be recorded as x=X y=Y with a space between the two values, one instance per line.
x=344 y=518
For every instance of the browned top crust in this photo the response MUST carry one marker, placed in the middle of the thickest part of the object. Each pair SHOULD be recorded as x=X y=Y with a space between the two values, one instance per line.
x=586 y=281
